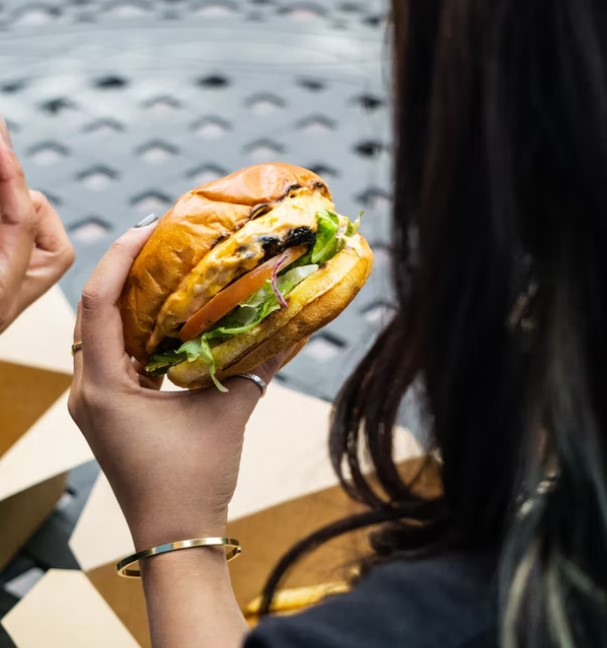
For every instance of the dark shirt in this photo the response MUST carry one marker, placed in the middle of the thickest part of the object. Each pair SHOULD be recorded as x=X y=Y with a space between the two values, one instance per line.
x=447 y=602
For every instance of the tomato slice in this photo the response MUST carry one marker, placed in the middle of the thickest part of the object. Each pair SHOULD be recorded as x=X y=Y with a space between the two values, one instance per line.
x=237 y=292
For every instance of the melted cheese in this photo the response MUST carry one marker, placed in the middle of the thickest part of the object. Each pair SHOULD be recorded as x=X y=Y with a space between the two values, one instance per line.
x=235 y=256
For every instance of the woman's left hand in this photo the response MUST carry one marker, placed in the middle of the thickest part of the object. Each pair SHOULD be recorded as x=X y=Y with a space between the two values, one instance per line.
x=172 y=458
x=35 y=250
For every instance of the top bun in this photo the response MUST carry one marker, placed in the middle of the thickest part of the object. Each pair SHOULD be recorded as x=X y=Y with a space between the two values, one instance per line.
x=195 y=224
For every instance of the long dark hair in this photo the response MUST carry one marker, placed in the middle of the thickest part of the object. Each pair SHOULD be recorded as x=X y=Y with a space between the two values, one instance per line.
x=500 y=270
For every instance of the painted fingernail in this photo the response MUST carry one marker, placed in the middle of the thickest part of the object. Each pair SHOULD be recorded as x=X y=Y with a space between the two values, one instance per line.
x=148 y=220
x=5 y=133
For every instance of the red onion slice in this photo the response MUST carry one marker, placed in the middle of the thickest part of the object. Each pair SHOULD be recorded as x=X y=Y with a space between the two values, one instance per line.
x=281 y=300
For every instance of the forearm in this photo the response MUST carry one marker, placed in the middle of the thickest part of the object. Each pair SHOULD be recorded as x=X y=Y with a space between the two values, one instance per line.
x=190 y=600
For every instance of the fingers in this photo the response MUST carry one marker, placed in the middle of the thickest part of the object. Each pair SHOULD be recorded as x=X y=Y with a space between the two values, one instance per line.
x=51 y=236
x=34 y=248
x=5 y=134
x=246 y=392
x=18 y=221
x=102 y=334
x=52 y=255
x=236 y=407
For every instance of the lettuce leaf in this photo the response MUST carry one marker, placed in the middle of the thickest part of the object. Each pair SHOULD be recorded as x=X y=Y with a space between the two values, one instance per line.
x=327 y=242
x=205 y=353
x=292 y=278
x=189 y=351
x=333 y=235
x=242 y=319
x=353 y=227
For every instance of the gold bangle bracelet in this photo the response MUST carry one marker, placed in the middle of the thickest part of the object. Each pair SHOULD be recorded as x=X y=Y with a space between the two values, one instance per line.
x=126 y=568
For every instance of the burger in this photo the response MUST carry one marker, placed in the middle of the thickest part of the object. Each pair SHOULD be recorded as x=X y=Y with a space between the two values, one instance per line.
x=239 y=270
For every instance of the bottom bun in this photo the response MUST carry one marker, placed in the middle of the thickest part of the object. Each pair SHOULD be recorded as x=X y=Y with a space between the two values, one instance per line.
x=312 y=305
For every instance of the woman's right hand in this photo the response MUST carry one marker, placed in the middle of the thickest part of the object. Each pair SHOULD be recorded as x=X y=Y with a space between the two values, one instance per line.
x=35 y=250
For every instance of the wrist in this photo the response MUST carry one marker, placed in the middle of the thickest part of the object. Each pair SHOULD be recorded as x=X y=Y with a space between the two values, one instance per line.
x=197 y=562
x=131 y=565
x=190 y=599
x=153 y=533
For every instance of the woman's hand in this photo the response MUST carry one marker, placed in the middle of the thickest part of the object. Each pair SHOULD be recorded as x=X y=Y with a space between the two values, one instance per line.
x=35 y=251
x=172 y=458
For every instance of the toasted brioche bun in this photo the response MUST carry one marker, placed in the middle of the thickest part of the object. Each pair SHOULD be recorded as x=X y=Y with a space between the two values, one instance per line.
x=311 y=305
x=190 y=230
x=214 y=234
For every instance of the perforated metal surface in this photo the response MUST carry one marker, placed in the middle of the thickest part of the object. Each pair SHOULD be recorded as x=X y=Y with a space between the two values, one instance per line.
x=118 y=107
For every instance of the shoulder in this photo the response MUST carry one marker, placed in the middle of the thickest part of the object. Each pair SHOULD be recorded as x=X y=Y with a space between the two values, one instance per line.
x=448 y=602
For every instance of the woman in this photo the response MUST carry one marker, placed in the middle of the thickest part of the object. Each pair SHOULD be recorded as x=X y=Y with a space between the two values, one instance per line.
x=500 y=270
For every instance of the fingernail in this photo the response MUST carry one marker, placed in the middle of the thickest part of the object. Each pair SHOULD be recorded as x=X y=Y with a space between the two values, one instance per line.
x=5 y=133
x=148 y=220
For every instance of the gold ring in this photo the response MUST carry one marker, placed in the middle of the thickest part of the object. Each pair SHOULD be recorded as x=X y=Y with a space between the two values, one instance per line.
x=77 y=346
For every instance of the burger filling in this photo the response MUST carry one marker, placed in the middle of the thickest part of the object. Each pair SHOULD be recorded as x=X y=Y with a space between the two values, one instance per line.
x=247 y=301
x=283 y=224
